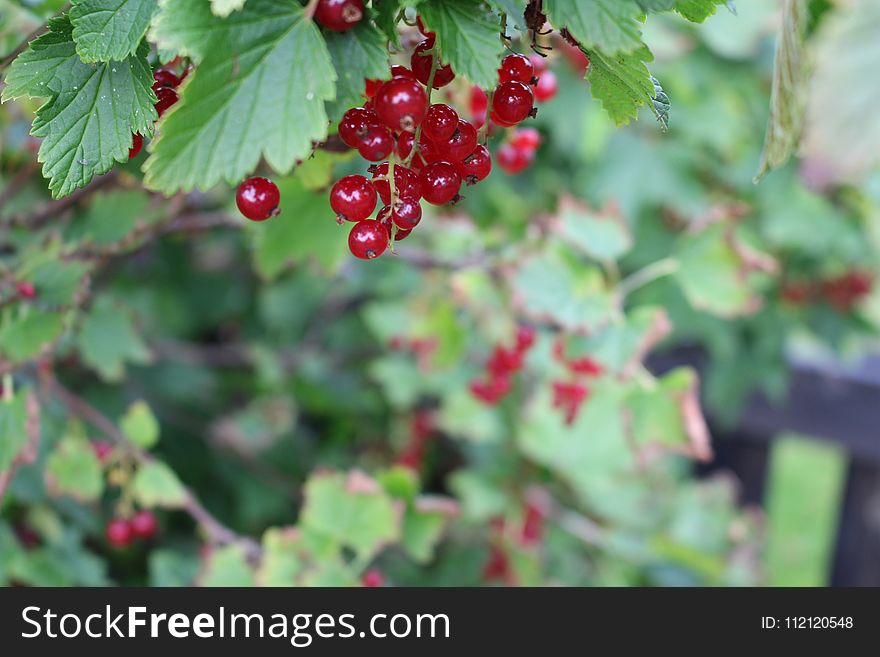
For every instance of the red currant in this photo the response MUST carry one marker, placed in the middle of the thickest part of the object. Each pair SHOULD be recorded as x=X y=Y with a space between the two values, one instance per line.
x=339 y=15
x=398 y=71
x=26 y=290
x=513 y=160
x=526 y=139
x=376 y=144
x=406 y=182
x=516 y=67
x=476 y=166
x=504 y=361
x=258 y=199
x=539 y=63
x=406 y=212
x=513 y=102
x=547 y=87
x=143 y=525
x=353 y=198
x=479 y=101
x=167 y=97
x=354 y=125
x=585 y=365
x=533 y=525
x=421 y=65
x=401 y=103
x=137 y=142
x=384 y=217
x=440 y=183
x=422 y=28
x=371 y=87
x=119 y=533
x=461 y=144
x=368 y=239
x=372 y=579
x=165 y=78
x=525 y=338
x=440 y=123
x=102 y=450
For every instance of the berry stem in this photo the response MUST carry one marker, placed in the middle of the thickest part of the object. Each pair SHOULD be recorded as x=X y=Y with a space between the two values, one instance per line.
x=310 y=9
x=435 y=64
x=484 y=130
x=647 y=274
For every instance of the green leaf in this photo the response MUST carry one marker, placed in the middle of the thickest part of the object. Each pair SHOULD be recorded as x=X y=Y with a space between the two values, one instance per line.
x=603 y=235
x=109 y=29
x=155 y=484
x=28 y=333
x=622 y=83
x=357 y=54
x=87 y=123
x=108 y=340
x=699 y=10
x=57 y=281
x=514 y=9
x=423 y=526
x=13 y=428
x=186 y=28
x=258 y=92
x=282 y=558
x=113 y=216
x=467 y=38
x=611 y=26
x=226 y=7
x=171 y=567
x=226 y=566
x=352 y=509
x=140 y=425
x=385 y=13
x=74 y=470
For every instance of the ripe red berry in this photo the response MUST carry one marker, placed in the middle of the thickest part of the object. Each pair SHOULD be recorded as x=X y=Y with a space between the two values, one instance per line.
x=525 y=338
x=137 y=143
x=102 y=450
x=504 y=361
x=533 y=525
x=513 y=160
x=339 y=15
x=143 y=524
x=421 y=66
x=406 y=182
x=476 y=166
x=568 y=397
x=539 y=64
x=479 y=102
x=401 y=104
x=516 y=67
x=353 y=198
x=461 y=144
x=585 y=365
x=440 y=123
x=406 y=212
x=165 y=78
x=513 y=102
x=384 y=217
x=167 y=97
x=526 y=139
x=371 y=87
x=440 y=183
x=26 y=290
x=422 y=28
x=258 y=199
x=372 y=579
x=376 y=144
x=491 y=391
x=118 y=532
x=354 y=125
x=402 y=71
x=368 y=239
x=547 y=87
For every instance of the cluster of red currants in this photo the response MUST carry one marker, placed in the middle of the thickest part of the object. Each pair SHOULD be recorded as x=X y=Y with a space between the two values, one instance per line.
x=569 y=396
x=165 y=83
x=122 y=532
x=501 y=366
x=420 y=435
x=841 y=292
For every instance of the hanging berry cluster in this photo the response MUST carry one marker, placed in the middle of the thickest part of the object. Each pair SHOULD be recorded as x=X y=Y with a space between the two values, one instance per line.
x=165 y=84
x=569 y=395
x=502 y=365
x=122 y=532
x=841 y=292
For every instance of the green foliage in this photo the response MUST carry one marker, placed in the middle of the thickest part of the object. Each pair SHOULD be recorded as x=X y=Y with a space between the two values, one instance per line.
x=73 y=470
x=140 y=425
x=611 y=26
x=108 y=340
x=109 y=29
x=155 y=484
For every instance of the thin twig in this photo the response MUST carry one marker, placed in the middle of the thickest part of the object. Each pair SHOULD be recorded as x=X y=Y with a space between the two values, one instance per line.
x=52 y=209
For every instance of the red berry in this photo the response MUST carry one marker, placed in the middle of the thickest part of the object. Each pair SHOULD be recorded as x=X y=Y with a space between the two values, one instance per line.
x=476 y=166
x=406 y=182
x=354 y=125
x=372 y=579
x=504 y=361
x=353 y=198
x=533 y=525
x=137 y=143
x=430 y=151
x=440 y=183
x=796 y=293
x=461 y=144
x=102 y=450
x=422 y=29
x=167 y=97
x=547 y=87
x=339 y=15
x=119 y=533
x=526 y=139
x=398 y=71
x=440 y=123
x=404 y=146
x=513 y=102
x=539 y=64
x=568 y=397
x=498 y=567
x=143 y=525
x=376 y=144
x=525 y=338
x=513 y=160
x=165 y=78
x=585 y=365
x=26 y=290
x=407 y=212
x=384 y=216
x=258 y=199
x=516 y=67
x=421 y=66
x=496 y=120
x=368 y=239
x=479 y=101
x=401 y=104
x=371 y=87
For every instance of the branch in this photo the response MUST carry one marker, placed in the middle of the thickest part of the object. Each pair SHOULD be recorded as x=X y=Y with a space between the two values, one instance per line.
x=52 y=209
x=29 y=452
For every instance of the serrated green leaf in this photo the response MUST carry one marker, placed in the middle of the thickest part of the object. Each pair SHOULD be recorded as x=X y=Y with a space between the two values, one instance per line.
x=140 y=425
x=258 y=92
x=282 y=559
x=603 y=235
x=622 y=83
x=74 y=470
x=699 y=10
x=13 y=428
x=385 y=13
x=468 y=38
x=57 y=281
x=514 y=9
x=186 y=28
x=92 y=111
x=226 y=7
x=107 y=30
x=155 y=484
x=422 y=530
x=27 y=334
x=611 y=26
x=108 y=340
x=358 y=54
x=226 y=566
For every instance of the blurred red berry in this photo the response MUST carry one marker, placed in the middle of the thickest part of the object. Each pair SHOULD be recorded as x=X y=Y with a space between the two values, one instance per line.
x=372 y=579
